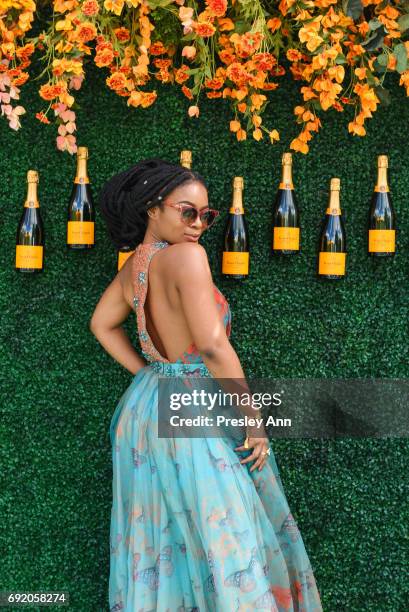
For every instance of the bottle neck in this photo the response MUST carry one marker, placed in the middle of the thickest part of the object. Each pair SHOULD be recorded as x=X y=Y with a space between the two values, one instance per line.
x=382 y=182
x=334 y=207
x=286 y=178
x=32 y=199
x=82 y=174
x=237 y=204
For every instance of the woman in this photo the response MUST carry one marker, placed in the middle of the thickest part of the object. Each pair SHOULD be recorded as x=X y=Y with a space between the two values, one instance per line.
x=194 y=525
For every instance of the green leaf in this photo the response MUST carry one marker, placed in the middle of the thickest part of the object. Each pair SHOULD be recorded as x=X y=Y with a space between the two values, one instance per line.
x=353 y=8
x=403 y=22
x=401 y=57
x=383 y=95
x=374 y=24
x=375 y=40
x=340 y=59
x=383 y=59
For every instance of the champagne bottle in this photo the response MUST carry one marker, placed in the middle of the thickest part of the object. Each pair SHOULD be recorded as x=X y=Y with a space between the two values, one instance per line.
x=30 y=231
x=382 y=220
x=186 y=159
x=286 y=218
x=123 y=254
x=81 y=210
x=235 y=260
x=332 y=243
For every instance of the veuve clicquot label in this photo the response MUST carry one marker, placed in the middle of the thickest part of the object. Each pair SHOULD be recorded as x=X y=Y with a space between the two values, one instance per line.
x=286 y=217
x=81 y=210
x=30 y=231
x=123 y=256
x=236 y=256
x=332 y=242
x=382 y=218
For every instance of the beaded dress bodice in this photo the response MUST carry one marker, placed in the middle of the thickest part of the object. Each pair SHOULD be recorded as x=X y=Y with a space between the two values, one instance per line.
x=140 y=266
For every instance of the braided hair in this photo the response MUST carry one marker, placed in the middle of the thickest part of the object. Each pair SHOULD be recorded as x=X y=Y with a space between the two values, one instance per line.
x=125 y=199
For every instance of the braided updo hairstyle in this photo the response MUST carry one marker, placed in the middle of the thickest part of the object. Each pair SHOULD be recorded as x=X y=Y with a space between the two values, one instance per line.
x=125 y=199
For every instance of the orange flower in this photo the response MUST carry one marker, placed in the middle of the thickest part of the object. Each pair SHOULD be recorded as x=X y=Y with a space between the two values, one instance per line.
x=257 y=134
x=214 y=94
x=227 y=57
x=116 y=81
x=294 y=55
x=241 y=135
x=193 y=111
x=148 y=98
x=104 y=58
x=90 y=8
x=85 y=32
x=189 y=52
x=299 y=145
x=274 y=23
x=256 y=119
x=217 y=7
x=123 y=34
x=181 y=74
x=360 y=73
x=204 y=29
x=357 y=129
x=241 y=107
x=157 y=48
x=225 y=24
x=257 y=101
x=274 y=135
x=215 y=83
x=237 y=73
x=42 y=118
x=235 y=125
x=187 y=92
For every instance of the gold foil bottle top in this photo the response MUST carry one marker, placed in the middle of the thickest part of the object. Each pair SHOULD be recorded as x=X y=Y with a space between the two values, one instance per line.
x=82 y=172
x=82 y=153
x=237 y=203
x=32 y=176
x=186 y=158
x=335 y=184
x=287 y=159
x=238 y=182
x=382 y=161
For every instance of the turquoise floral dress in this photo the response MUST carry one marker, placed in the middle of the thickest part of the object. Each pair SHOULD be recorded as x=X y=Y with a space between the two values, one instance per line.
x=192 y=529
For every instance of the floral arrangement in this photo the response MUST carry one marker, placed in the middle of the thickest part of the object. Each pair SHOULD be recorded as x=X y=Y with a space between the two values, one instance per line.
x=338 y=51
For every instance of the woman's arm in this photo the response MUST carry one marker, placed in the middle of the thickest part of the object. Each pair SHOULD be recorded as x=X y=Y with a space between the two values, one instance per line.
x=194 y=283
x=111 y=311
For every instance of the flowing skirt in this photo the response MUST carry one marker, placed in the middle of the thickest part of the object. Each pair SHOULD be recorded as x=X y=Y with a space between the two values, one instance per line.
x=192 y=529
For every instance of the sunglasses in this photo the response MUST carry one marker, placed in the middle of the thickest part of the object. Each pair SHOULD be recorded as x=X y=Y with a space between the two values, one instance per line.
x=189 y=213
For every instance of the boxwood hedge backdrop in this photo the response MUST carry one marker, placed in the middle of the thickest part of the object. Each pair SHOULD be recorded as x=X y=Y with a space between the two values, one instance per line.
x=60 y=388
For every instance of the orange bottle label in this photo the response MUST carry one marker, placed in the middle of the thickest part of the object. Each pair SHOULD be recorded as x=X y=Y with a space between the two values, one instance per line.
x=287 y=238
x=29 y=256
x=331 y=263
x=235 y=263
x=122 y=257
x=80 y=232
x=381 y=241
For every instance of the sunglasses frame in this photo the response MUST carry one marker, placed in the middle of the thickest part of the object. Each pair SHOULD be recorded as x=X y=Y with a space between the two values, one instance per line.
x=184 y=205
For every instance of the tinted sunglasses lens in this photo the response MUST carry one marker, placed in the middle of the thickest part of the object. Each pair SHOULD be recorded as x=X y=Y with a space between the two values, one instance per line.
x=189 y=215
x=209 y=217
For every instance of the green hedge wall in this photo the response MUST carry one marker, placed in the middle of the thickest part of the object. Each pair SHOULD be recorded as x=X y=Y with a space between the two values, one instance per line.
x=60 y=388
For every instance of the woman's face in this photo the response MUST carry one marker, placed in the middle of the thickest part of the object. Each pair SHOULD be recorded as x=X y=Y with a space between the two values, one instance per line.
x=167 y=221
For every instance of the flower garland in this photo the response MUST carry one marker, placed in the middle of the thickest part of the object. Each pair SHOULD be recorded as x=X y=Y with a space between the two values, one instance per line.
x=338 y=51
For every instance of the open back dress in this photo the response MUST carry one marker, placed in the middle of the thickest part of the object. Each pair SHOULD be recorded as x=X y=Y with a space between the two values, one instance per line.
x=192 y=529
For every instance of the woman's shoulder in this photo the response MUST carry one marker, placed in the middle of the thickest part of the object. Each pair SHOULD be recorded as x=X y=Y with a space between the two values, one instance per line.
x=187 y=256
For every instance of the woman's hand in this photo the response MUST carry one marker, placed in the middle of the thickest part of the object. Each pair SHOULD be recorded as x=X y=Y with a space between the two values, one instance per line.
x=260 y=447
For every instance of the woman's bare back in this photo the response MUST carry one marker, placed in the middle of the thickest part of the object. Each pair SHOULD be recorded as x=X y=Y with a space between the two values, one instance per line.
x=166 y=322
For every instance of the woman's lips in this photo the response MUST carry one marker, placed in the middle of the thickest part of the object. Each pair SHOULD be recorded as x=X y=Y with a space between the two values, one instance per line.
x=192 y=238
